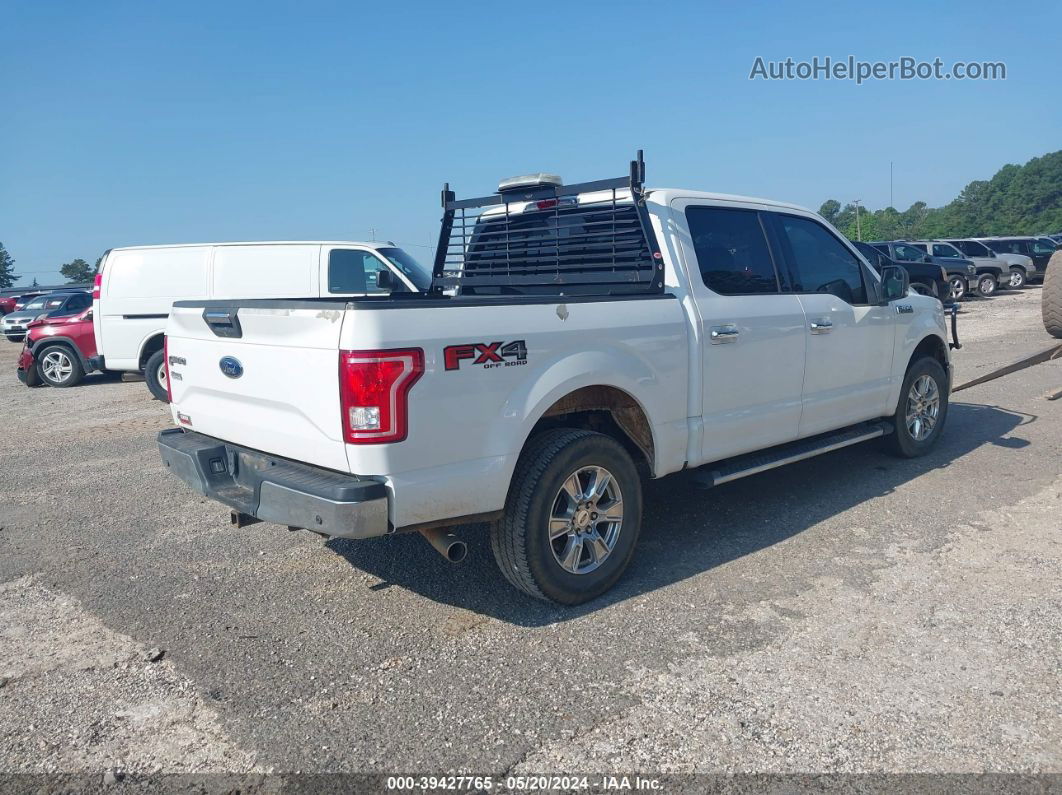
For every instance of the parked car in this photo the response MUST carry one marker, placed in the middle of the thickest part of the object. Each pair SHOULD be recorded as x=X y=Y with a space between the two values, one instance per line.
x=135 y=287
x=991 y=275
x=962 y=276
x=14 y=324
x=58 y=349
x=926 y=278
x=9 y=303
x=538 y=394
x=1036 y=249
x=1020 y=266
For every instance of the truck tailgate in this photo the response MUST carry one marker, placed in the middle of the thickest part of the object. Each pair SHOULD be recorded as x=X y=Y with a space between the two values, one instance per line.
x=268 y=381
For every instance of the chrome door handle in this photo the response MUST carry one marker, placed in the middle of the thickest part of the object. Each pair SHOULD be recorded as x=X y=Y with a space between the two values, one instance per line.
x=821 y=326
x=724 y=334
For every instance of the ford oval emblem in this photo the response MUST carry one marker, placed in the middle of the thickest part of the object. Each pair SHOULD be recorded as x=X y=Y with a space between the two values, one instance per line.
x=231 y=366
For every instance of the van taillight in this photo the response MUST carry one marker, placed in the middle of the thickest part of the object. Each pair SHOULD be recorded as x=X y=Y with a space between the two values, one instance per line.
x=96 y=286
x=373 y=391
x=166 y=364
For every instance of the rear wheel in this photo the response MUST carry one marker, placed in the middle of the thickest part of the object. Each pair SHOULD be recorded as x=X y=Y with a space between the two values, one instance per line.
x=572 y=517
x=956 y=288
x=986 y=285
x=155 y=375
x=1017 y=278
x=58 y=366
x=921 y=410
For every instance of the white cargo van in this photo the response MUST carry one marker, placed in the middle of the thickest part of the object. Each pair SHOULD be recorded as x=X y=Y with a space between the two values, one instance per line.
x=136 y=286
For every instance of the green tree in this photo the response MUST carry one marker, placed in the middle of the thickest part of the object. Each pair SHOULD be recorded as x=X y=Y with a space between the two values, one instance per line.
x=77 y=272
x=8 y=277
x=829 y=210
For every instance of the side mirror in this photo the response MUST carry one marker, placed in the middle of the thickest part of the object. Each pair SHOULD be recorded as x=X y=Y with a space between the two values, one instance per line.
x=927 y=259
x=895 y=282
x=385 y=280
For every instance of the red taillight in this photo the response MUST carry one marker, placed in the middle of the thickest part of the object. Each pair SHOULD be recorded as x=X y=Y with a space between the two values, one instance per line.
x=166 y=364
x=373 y=391
x=96 y=286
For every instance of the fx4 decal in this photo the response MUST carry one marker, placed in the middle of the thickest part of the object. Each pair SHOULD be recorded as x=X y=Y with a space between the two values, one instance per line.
x=487 y=354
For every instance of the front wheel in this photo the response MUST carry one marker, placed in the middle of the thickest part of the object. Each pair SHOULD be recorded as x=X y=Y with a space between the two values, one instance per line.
x=58 y=366
x=986 y=285
x=572 y=517
x=956 y=288
x=921 y=410
x=1017 y=279
x=155 y=374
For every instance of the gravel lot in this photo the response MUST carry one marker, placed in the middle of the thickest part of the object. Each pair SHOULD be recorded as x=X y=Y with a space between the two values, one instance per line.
x=852 y=613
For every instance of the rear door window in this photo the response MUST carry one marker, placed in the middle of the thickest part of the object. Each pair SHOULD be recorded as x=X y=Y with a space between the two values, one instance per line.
x=819 y=262
x=732 y=251
x=906 y=253
x=945 y=250
x=354 y=271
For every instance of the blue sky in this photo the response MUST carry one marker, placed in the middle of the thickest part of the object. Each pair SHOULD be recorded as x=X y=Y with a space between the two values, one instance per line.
x=128 y=123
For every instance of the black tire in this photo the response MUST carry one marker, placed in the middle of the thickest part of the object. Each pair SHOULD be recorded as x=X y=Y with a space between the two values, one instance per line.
x=902 y=441
x=521 y=538
x=1017 y=279
x=986 y=285
x=956 y=288
x=1051 y=296
x=59 y=366
x=15 y=339
x=155 y=376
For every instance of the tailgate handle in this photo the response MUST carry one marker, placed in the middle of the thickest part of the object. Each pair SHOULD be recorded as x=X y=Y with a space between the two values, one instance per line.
x=223 y=322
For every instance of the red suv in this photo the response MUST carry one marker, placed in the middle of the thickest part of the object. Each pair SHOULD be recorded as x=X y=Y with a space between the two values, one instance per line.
x=57 y=350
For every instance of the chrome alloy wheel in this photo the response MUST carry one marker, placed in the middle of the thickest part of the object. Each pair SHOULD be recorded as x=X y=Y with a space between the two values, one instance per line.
x=956 y=288
x=56 y=366
x=586 y=520
x=923 y=408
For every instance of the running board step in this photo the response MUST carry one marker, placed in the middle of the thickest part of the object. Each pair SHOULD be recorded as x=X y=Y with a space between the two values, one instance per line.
x=744 y=465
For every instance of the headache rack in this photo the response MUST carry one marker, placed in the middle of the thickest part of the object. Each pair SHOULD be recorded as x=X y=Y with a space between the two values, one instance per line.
x=550 y=239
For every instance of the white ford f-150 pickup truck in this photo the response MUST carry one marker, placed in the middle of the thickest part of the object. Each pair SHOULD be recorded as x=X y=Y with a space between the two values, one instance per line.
x=576 y=341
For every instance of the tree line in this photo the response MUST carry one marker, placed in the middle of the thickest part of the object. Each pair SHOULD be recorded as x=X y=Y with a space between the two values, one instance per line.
x=76 y=272
x=1018 y=200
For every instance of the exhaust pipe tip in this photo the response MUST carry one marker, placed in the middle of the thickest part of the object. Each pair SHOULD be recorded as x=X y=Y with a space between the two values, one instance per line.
x=446 y=544
x=456 y=552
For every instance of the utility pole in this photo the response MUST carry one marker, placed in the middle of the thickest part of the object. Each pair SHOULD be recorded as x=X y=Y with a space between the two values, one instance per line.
x=859 y=229
x=372 y=233
x=891 y=201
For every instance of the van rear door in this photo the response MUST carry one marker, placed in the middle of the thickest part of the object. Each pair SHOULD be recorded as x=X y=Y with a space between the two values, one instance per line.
x=137 y=286
x=262 y=374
